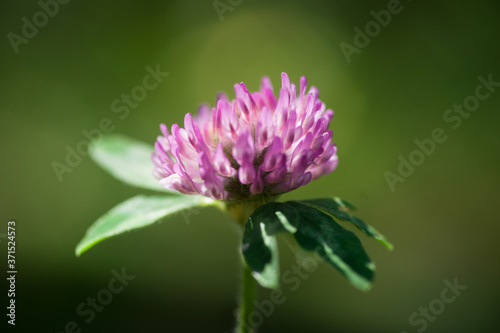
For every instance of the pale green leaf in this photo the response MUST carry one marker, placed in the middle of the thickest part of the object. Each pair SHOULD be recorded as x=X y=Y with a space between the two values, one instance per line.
x=137 y=212
x=128 y=160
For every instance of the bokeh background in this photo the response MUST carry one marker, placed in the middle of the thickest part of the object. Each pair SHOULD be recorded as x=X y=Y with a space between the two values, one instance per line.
x=443 y=219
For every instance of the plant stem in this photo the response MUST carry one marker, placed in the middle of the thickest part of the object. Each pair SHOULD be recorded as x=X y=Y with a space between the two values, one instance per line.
x=246 y=301
x=241 y=212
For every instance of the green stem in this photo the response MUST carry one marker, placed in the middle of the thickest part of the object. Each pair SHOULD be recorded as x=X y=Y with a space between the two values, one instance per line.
x=241 y=211
x=246 y=301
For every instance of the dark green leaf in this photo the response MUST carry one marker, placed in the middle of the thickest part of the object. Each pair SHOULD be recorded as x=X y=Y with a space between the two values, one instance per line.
x=338 y=246
x=338 y=208
x=314 y=230
x=134 y=213
x=259 y=240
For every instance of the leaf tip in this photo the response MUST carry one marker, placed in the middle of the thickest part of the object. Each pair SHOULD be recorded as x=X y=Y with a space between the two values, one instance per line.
x=365 y=287
x=79 y=250
x=384 y=242
x=265 y=282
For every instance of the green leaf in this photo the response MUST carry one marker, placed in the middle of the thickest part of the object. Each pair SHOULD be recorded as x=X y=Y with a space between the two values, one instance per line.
x=314 y=230
x=259 y=240
x=128 y=160
x=336 y=207
x=134 y=213
x=338 y=246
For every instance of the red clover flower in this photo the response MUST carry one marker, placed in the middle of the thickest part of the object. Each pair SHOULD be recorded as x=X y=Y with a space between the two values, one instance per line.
x=254 y=145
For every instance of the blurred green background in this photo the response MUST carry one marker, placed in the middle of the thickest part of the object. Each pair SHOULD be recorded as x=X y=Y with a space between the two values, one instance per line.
x=442 y=219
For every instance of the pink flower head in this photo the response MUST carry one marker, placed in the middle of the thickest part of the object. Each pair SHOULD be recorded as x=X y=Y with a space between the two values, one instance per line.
x=253 y=145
